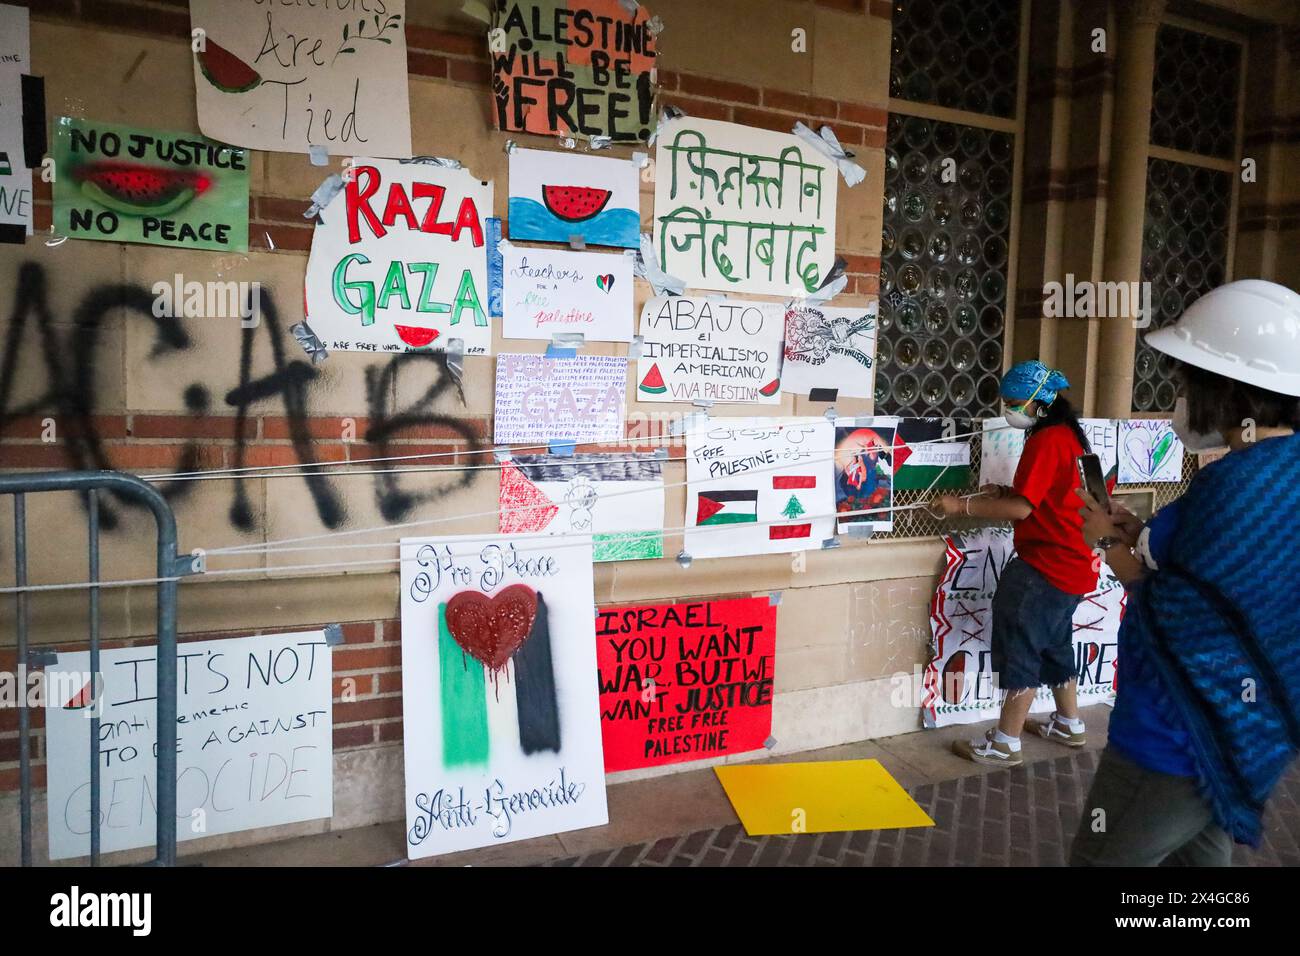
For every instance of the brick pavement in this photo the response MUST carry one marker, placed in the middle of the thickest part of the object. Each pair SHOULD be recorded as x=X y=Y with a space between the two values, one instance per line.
x=1024 y=816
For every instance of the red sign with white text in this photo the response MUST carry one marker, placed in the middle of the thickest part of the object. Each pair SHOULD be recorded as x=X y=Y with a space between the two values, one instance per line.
x=685 y=681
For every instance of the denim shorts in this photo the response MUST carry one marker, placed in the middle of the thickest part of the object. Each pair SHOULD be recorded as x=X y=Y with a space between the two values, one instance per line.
x=1033 y=630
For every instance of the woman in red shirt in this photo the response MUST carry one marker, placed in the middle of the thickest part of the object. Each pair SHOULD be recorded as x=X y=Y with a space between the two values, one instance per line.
x=1033 y=609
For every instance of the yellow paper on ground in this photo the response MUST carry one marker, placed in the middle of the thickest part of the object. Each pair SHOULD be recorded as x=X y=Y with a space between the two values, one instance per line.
x=819 y=797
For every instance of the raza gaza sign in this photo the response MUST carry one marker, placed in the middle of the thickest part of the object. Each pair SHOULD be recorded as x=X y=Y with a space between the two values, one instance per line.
x=398 y=261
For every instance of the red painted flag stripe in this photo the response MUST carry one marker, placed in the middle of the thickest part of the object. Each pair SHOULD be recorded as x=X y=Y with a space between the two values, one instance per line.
x=782 y=482
x=779 y=532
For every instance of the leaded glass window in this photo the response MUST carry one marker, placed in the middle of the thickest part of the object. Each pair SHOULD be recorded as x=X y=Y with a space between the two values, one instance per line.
x=1195 y=93
x=943 y=268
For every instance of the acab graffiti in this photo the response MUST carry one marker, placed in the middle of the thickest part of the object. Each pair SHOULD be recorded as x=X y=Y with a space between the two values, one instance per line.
x=69 y=365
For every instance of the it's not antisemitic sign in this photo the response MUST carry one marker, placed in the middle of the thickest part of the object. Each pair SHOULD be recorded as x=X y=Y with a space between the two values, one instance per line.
x=255 y=740
x=742 y=209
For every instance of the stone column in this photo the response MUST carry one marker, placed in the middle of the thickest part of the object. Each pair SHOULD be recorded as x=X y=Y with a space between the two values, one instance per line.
x=1134 y=43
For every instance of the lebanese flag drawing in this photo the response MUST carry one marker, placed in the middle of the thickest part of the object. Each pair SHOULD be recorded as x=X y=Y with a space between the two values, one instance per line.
x=727 y=507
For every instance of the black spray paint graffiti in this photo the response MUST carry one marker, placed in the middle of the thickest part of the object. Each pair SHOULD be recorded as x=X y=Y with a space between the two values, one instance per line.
x=69 y=394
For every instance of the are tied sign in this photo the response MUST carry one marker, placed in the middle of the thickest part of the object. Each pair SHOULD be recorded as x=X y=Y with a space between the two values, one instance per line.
x=254 y=741
x=685 y=681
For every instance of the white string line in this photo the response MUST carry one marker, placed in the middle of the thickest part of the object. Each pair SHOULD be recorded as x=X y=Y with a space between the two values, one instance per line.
x=268 y=547
x=557 y=541
x=448 y=469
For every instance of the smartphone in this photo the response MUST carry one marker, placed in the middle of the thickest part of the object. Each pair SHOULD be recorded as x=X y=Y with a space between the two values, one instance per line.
x=1093 y=481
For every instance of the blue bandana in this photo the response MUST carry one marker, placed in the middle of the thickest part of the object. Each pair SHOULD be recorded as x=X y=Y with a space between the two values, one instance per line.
x=1026 y=381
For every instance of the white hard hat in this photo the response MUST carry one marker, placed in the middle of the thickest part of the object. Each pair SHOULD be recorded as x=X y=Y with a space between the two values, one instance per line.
x=1247 y=330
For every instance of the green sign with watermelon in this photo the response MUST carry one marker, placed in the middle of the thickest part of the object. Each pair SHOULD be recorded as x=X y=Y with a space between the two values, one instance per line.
x=125 y=184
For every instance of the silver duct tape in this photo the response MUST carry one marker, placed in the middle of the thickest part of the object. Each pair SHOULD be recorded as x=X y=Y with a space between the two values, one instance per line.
x=655 y=25
x=631 y=6
x=830 y=414
x=634 y=347
x=647 y=267
x=333 y=634
x=640 y=159
x=829 y=145
x=500 y=455
x=661 y=454
x=774 y=599
x=569 y=143
x=577 y=242
x=600 y=142
x=456 y=359
x=330 y=187
x=443 y=161
x=568 y=340
x=510 y=146
x=859 y=529
x=702 y=402
x=830 y=543
x=665 y=114
x=504 y=246
x=319 y=155
x=310 y=342
x=687 y=423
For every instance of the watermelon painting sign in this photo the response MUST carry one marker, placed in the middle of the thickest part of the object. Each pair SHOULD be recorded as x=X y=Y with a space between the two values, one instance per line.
x=583 y=68
x=758 y=486
x=290 y=77
x=398 y=260
x=124 y=184
x=721 y=350
x=685 y=681
x=958 y=683
x=557 y=196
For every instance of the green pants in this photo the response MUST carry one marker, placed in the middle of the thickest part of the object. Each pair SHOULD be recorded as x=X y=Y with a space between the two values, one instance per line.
x=1137 y=817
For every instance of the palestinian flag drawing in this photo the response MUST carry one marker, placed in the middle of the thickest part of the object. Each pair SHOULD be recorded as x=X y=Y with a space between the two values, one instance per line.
x=923 y=460
x=727 y=507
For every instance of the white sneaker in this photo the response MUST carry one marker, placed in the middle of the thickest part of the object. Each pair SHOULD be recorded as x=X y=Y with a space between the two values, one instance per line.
x=987 y=751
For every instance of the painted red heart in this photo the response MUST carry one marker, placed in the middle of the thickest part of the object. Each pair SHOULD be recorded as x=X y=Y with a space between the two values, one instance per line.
x=491 y=629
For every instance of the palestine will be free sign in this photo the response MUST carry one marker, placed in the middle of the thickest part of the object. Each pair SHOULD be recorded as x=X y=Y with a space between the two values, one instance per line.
x=580 y=68
x=685 y=681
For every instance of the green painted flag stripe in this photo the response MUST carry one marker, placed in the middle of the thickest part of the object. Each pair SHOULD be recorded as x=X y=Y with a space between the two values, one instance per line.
x=723 y=517
x=463 y=694
x=919 y=477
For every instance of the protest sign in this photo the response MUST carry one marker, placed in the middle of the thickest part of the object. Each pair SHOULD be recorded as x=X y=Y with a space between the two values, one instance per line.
x=398 y=260
x=718 y=350
x=583 y=68
x=830 y=348
x=758 y=486
x=1149 y=451
x=549 y=291
x=291 y=77
x=685 y=681
x=555 y=197
x=543 y=398
x=123 y=184
x=15 y=176
x=255 y=740
x=617 y=498
x=742 y=209
x=927 y=456
x=959 y=686
x=499 y=696
x=865 y=466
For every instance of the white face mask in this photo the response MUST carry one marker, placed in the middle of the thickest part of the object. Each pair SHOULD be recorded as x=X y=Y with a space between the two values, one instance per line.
x=1193 y=441
x=1018 y=419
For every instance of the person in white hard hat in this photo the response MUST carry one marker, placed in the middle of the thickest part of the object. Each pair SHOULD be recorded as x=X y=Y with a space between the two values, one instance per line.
x=1207 y=716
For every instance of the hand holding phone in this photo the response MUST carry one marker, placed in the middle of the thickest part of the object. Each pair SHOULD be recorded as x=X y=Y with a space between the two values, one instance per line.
x=1093 y=481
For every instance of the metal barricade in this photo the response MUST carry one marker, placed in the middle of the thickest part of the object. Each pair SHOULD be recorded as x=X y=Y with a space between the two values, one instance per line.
x=90 y=484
